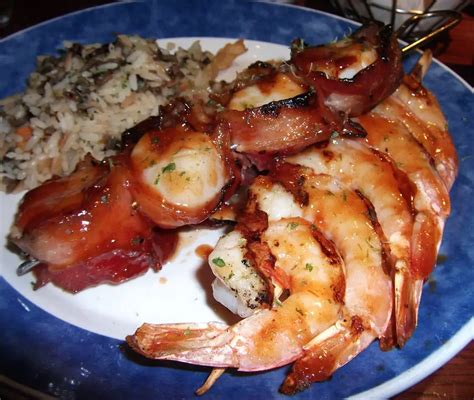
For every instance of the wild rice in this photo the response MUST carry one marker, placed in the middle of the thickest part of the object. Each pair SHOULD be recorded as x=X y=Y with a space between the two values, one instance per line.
x=82 y=100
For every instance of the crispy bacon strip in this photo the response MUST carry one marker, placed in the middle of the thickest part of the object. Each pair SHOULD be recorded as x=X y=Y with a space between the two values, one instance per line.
x=280 y=127
x=111 y=267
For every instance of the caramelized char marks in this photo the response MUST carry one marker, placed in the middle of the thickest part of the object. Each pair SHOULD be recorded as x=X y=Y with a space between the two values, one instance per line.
x=290 y=176
x=385 y=247
x=330 y=251
x=252 y=223
x=319 y=362
x=366 y=88
x=407 y=187
x=281 y=127
x=257 y=73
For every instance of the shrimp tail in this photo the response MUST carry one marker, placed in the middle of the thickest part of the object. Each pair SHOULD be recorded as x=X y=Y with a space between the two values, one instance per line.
x=409 y=281
x=199 y=344
x=425 y=241
x=407 y=300
x=326 y=353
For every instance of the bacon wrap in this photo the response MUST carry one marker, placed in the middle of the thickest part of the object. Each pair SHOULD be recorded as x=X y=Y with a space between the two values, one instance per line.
x=369 y=86
x=280 y=127
x=164 y=144
x=111 y=267
x=85 y=230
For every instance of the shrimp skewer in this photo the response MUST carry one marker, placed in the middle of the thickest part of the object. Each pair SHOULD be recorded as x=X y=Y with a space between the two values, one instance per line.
x=374 y=177
x=419 y=111
x=270 y=337
x=317 y=307
x=430 y=203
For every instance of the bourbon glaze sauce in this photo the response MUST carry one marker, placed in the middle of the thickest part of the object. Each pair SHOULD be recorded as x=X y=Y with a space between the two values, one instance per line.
x=203 y=251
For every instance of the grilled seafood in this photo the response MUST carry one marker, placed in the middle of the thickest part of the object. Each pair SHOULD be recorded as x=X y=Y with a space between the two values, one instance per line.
x=336 y=237
x=71 y=225
x=177 y=168
x=375 y=179
x=353 y=74
x=377 y=204
x=321 y=309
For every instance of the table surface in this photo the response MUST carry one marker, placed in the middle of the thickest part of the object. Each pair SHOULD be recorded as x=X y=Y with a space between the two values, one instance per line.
x=455 y=380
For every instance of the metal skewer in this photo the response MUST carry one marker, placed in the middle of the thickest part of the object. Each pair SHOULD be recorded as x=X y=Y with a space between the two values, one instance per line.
x=454 y=17
x=27 y=266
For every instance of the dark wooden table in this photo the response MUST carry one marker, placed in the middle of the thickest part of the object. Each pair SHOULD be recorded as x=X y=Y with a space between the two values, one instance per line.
x=455 y=380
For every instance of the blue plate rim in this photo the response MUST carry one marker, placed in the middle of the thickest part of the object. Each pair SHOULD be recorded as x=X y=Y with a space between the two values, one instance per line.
x=434 y=360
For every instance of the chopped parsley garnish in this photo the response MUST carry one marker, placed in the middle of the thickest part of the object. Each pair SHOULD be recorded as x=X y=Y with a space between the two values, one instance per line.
x=309 y=267
x=169 y=168
x=219 y=262
x=155 y=140
x=292 y=225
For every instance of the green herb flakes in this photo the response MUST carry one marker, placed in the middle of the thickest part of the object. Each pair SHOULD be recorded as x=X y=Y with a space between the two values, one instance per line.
x=219 y=262
x=169 y=168
x=292 y=225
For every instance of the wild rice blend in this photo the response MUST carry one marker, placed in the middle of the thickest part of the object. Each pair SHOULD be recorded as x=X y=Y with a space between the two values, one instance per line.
x=81 y=101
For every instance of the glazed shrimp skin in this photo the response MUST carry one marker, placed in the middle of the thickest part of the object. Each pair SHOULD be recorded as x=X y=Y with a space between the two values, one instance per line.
x=270 y=337
x=431 y=200
x=430 y=207
x=420 y=112
x=329 y=299
x=344 y=218
x=375 y=178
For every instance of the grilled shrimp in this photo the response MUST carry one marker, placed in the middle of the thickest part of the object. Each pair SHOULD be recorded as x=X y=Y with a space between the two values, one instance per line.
x=376 y=179
x=409 y=129
x=270 y=337
x=419 y=111
x=330 y=300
